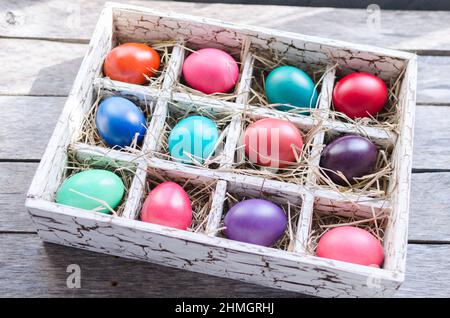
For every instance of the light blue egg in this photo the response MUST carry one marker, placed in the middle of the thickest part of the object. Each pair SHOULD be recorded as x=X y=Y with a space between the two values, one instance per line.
x=193 y=137
x=290 y=86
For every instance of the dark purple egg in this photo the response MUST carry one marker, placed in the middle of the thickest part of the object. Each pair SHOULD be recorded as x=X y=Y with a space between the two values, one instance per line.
x=255 y=221
x=354 y=156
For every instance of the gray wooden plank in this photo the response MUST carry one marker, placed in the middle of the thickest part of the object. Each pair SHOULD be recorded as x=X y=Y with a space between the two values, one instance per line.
x=34 y=269
x=31 y=67
x=429 y=213
x=425 y=30
x=15 y=179
x=30 y=268
x=432 y=138
x=53 y=67
x=26 y=125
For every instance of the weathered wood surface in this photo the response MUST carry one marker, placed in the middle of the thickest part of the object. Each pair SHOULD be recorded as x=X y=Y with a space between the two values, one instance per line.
x=55 y=64
x=44 y=274
x=37 y=74
x=426 y=30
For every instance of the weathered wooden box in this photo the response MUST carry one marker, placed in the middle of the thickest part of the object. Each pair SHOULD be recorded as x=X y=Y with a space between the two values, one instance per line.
x=205 y=250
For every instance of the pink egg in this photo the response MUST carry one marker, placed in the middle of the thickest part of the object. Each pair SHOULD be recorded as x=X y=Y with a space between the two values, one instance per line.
x=351 y=244
x=168 y=204
x=210 y=71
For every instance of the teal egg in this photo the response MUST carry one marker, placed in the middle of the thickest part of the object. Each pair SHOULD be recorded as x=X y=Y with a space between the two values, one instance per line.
x=195 y=135
x=292 y=86
x=80 y=189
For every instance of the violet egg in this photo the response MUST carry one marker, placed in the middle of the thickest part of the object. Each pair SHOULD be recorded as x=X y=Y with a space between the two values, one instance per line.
x=255 y=221
x=354 y=156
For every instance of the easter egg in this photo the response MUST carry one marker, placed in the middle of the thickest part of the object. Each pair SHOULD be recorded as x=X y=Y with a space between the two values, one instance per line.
x=351 y=244
x=131 y=63
x=169 y=205
x=119 y=120
x=271 y=142
x=255 y=221
x=360 y=95
x=291 y=86
x=90 y=188
x=354 y=156
x=193 y=139
x=210 y=71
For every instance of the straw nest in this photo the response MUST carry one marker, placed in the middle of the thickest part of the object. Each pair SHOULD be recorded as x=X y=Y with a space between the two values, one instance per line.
x=177 y=112
x=164 y=49
x=264 y=63
x=389 y=117
x=322 y=223
x=296 y=172
x=89 y=133
x=200 y=194
x=374 y=185
x=181 y=85
x=292 y=211
x=126 y=172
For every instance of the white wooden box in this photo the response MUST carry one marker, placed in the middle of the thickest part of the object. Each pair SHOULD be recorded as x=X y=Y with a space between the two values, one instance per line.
x=206 y=251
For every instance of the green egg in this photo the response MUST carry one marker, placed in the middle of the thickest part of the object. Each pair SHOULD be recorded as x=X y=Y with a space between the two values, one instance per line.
x=80 y=189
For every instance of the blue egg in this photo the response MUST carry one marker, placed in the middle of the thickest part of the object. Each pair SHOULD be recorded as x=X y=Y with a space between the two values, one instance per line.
x=118 y=120
x=292 y=86
x=195 y=135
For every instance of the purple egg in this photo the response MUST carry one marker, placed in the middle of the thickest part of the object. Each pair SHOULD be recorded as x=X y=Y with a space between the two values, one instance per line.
x=255 y=221
x=354 y=156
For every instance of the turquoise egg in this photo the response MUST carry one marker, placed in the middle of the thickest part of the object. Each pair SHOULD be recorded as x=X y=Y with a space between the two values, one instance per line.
x=292 y=86
x=88 y=189
x=195 y=135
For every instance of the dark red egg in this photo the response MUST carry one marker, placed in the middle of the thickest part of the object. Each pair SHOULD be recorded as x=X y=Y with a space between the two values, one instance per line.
x=354 y=156
x=351 y=244
x=360 y=95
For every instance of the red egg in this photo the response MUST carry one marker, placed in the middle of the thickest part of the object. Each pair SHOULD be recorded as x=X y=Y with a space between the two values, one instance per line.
x=360 y=95
x=168 y=204
x=351 y=244
x=272 y=142
x=131 y=63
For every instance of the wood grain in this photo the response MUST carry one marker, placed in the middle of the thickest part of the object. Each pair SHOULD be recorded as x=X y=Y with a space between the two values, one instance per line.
x=44 y=274
x=33 y=67
x=429 y=217
x=425 y=30
x=26 y=125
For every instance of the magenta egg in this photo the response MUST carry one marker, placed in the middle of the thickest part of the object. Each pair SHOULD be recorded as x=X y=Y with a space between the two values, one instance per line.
x=354 y=156
x=255 y=221
x=210 y=71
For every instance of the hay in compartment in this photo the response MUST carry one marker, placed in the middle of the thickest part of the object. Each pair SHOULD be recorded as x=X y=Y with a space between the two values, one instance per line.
x=126 y=172
x=180 y=110
x=89 y=133
x=388 y=118
x=199 y=192
x=375 y=185
x=164 y=49
x=322 y=223
x=183 y=87
x=292 y=211
x=296 y=173
x=265 y=62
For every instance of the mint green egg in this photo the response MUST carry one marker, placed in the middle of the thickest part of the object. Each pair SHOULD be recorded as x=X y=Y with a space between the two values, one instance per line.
x=81 y=189
x=291 y=87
